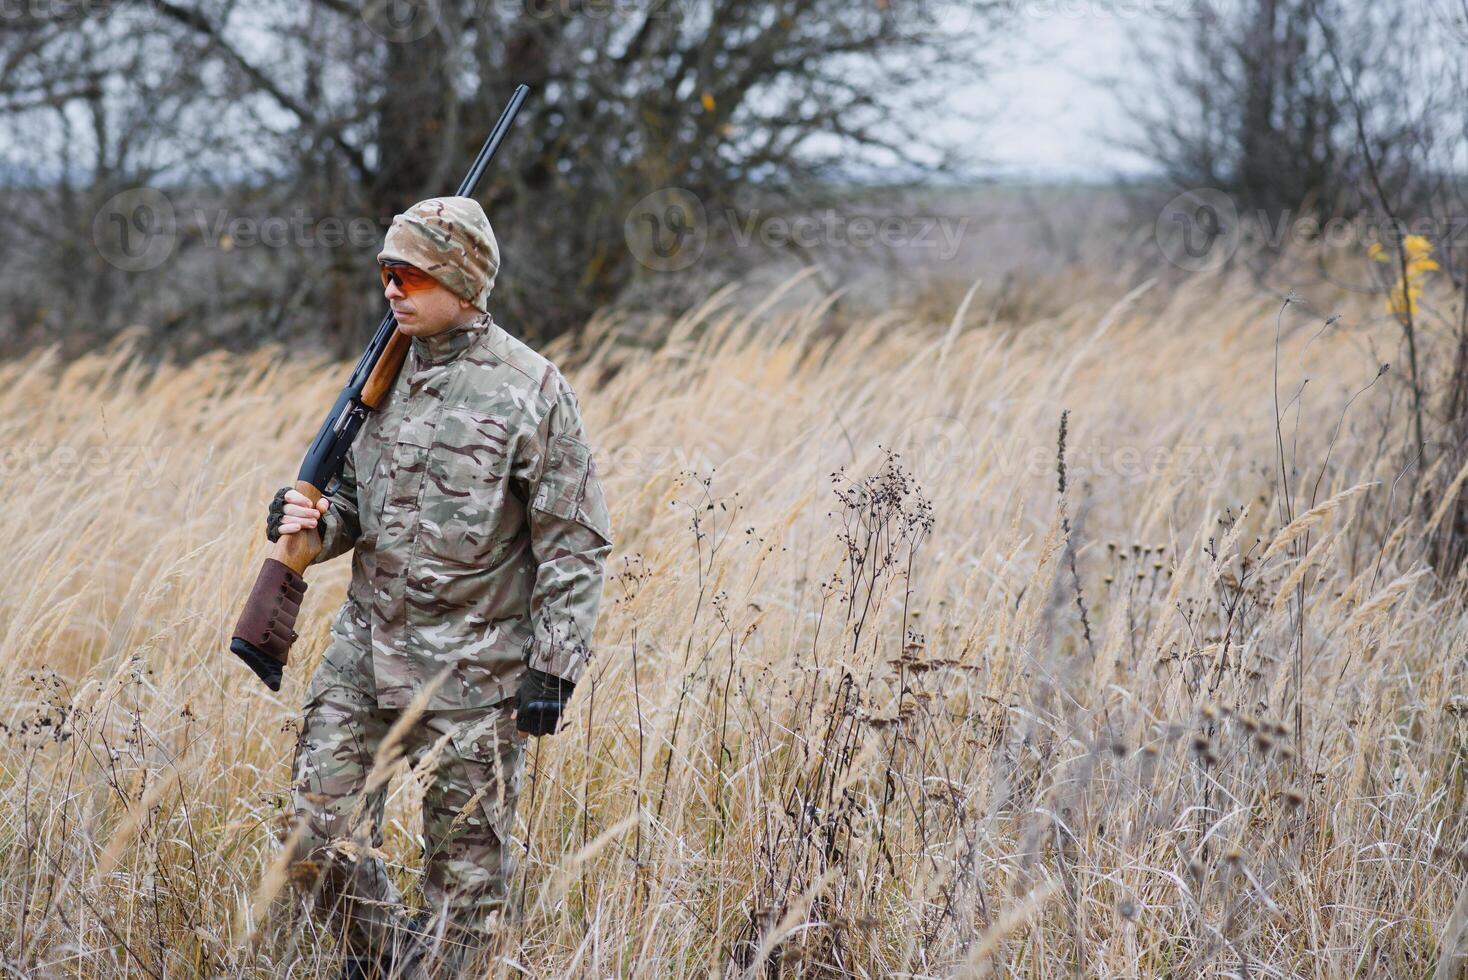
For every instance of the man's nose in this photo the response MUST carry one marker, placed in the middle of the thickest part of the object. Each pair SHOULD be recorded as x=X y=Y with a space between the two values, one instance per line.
x=391 y=291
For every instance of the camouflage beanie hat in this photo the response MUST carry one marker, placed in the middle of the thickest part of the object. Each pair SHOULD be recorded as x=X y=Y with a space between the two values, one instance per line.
x=450 y=239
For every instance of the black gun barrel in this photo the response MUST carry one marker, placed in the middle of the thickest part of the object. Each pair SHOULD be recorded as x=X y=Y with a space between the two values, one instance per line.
x=496 y=137
x=266 y=628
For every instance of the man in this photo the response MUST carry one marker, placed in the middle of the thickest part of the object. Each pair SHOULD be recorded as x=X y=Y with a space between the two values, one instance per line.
x=480 y=536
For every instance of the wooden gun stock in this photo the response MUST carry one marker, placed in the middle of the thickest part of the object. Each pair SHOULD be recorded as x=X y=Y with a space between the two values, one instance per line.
x=266 y=628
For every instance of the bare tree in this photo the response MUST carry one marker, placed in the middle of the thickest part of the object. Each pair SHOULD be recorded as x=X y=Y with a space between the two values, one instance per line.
x=355 y=110
x=1245 y=96
x=1335 y=109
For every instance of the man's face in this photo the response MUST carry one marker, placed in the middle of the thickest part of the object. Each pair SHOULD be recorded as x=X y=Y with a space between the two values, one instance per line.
x=423 y=306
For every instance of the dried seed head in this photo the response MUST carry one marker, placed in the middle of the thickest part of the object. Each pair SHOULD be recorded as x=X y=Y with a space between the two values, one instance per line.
x=1294 y=797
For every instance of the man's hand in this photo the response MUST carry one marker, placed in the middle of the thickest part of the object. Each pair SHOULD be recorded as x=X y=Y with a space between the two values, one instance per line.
x=290 y=511
x=541 y=699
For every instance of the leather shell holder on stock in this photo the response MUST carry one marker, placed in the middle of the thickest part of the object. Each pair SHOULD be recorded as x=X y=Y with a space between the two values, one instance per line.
x=266 y=628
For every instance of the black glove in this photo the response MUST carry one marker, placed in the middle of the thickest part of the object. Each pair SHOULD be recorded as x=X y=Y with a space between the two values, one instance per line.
x=276 y=515
x=542 y=697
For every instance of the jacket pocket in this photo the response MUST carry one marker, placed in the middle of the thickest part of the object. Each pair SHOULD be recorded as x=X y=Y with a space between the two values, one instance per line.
x=569 y=488
x=461 y=513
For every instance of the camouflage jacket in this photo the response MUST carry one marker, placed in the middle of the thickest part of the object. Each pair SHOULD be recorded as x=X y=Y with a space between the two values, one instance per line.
x=479 y=525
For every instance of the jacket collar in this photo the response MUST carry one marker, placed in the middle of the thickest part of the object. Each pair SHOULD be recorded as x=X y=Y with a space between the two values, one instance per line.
x=444 y=347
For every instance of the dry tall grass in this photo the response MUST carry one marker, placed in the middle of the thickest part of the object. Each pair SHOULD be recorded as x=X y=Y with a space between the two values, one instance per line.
x=851 y=713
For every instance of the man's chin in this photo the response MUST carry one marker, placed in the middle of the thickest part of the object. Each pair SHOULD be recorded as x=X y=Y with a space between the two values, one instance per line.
x=416 y=326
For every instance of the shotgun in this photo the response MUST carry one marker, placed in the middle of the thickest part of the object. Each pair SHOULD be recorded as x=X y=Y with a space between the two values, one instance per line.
x=266 y=628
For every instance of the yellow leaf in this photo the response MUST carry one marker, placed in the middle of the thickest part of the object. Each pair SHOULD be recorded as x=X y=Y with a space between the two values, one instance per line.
x=1376 y=252
x=708 y=102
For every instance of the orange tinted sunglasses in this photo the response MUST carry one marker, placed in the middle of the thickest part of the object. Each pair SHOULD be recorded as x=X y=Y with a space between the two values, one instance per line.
x=410 y=279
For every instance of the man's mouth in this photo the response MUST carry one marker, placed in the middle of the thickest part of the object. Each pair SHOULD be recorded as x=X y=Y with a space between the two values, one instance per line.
x=399 y=314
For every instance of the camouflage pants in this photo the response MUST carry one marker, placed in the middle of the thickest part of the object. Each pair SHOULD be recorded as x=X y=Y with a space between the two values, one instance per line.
x=468 y=804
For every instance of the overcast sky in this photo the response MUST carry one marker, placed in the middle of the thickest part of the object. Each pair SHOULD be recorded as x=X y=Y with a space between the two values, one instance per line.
x=1054 y=96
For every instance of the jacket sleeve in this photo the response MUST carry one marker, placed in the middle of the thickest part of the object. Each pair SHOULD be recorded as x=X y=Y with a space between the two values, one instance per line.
x=570 y=539
x=340 y=525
